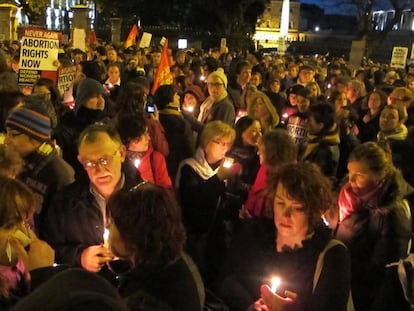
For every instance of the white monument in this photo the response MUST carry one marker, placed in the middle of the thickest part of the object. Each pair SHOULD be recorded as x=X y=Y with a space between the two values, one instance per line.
x=284 y=26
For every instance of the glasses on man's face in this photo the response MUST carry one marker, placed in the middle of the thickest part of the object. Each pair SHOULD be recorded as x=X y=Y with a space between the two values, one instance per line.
x=13 y=133
x=217 y=84
x=103 y=161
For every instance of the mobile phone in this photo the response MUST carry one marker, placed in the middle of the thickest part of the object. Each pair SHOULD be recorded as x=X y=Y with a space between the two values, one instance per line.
x=149 y=108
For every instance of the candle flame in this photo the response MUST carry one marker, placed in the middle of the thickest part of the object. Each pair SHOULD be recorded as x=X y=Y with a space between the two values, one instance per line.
x=228 y=163
x=285 y=116
x=137 y=162
x=275 y=282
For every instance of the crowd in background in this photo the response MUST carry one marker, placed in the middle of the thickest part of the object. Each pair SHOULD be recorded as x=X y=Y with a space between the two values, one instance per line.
x=246 y=166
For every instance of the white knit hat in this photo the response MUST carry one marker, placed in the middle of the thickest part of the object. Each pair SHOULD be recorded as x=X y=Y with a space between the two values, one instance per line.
x=219 y=74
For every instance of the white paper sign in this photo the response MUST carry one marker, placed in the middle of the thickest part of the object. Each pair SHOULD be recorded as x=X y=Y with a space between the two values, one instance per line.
x=412 y=53
x=39 y=50
x=399 y=57
x=145 y=40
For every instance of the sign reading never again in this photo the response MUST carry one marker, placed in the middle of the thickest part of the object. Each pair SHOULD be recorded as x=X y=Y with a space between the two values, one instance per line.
x=39 y=49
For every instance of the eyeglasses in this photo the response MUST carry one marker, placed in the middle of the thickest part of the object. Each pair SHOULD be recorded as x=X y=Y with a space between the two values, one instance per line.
x=104 y=161
x=13 y=133
x=222 y=143
x=215 y=84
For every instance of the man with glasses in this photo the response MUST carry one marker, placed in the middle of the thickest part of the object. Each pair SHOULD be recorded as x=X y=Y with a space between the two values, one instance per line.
x=28 y=131
x=78 y=217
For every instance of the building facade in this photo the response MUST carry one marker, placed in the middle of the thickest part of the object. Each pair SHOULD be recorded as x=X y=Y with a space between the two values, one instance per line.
x=381 y=18
x=268 y=26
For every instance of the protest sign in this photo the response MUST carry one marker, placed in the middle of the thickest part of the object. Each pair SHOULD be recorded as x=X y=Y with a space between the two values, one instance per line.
x=145 y=40
x=399 y=57
x=38 y=55
x=66 y=77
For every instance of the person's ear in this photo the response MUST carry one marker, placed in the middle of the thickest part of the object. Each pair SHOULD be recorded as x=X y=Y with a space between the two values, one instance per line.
x=123 y=152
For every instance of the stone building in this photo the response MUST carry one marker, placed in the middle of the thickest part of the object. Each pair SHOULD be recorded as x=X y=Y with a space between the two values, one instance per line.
x=268 y=26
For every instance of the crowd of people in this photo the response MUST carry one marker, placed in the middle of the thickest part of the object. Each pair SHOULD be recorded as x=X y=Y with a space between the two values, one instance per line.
x=247 y=169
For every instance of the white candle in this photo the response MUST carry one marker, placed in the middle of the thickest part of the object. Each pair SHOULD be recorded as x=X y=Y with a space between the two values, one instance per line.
x=285 y=116
x=106 y=238
x=275 y=282
x=137 y=162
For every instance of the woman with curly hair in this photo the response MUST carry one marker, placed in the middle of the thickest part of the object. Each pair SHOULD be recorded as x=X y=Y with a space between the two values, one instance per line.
x=290 y=246
x=146 y=229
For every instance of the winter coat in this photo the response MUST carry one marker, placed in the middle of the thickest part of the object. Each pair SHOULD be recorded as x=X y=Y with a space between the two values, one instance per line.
x=153 y=168
x=179 y=137
x=177 y=284
x=45 y=173
x=222 y=110
x=377 y=232
x=324 y=151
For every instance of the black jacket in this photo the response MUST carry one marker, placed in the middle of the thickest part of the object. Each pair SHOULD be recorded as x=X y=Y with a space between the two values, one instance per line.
x=375 y=234
x=45 y=173
x=180 y=139
x=178 y=284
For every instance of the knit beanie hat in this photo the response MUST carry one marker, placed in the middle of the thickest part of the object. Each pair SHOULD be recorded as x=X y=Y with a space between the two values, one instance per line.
x=295 y=89
x=87 y=89
x=219 y=74
x=196 y=91
x=31 y=120
x=73 y=289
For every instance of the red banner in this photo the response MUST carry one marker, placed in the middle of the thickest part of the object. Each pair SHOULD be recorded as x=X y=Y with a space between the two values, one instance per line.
x=163 y=74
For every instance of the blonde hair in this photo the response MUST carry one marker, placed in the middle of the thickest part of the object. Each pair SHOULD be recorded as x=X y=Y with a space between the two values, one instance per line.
x=214 y=130
x=318 y=88
x=16 y=202
x=274 y=116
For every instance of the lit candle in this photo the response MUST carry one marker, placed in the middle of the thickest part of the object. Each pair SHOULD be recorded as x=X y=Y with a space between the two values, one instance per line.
x=106 y=238
x=274 y=284
x=228 y=162
x=189 y=108
x=285 y=116
x=137 y=162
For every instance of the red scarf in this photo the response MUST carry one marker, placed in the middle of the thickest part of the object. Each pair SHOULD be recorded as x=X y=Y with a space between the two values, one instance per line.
x=349 y=201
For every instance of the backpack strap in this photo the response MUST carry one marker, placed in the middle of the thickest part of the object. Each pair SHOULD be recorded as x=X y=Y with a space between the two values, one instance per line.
x=319 y=267
x=319 y=263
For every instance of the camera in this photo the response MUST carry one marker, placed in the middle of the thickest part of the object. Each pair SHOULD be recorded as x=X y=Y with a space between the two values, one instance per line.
x=149 y=106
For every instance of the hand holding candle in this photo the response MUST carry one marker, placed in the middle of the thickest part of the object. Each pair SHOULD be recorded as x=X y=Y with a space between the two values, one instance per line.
x=224 y=171
x=272 y=300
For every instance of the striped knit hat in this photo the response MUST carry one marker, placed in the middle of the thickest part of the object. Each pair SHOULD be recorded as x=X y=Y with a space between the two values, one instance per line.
x=30 y=120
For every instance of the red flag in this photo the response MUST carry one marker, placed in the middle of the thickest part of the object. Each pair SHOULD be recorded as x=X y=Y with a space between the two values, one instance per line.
x=132 y=37
x=92 y=37
x=163 y=75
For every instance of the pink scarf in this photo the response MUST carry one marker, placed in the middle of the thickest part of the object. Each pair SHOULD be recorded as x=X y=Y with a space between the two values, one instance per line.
x=349 y=201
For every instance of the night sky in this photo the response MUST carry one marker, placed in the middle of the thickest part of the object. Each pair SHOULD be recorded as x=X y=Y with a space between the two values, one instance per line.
x=332 y=7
